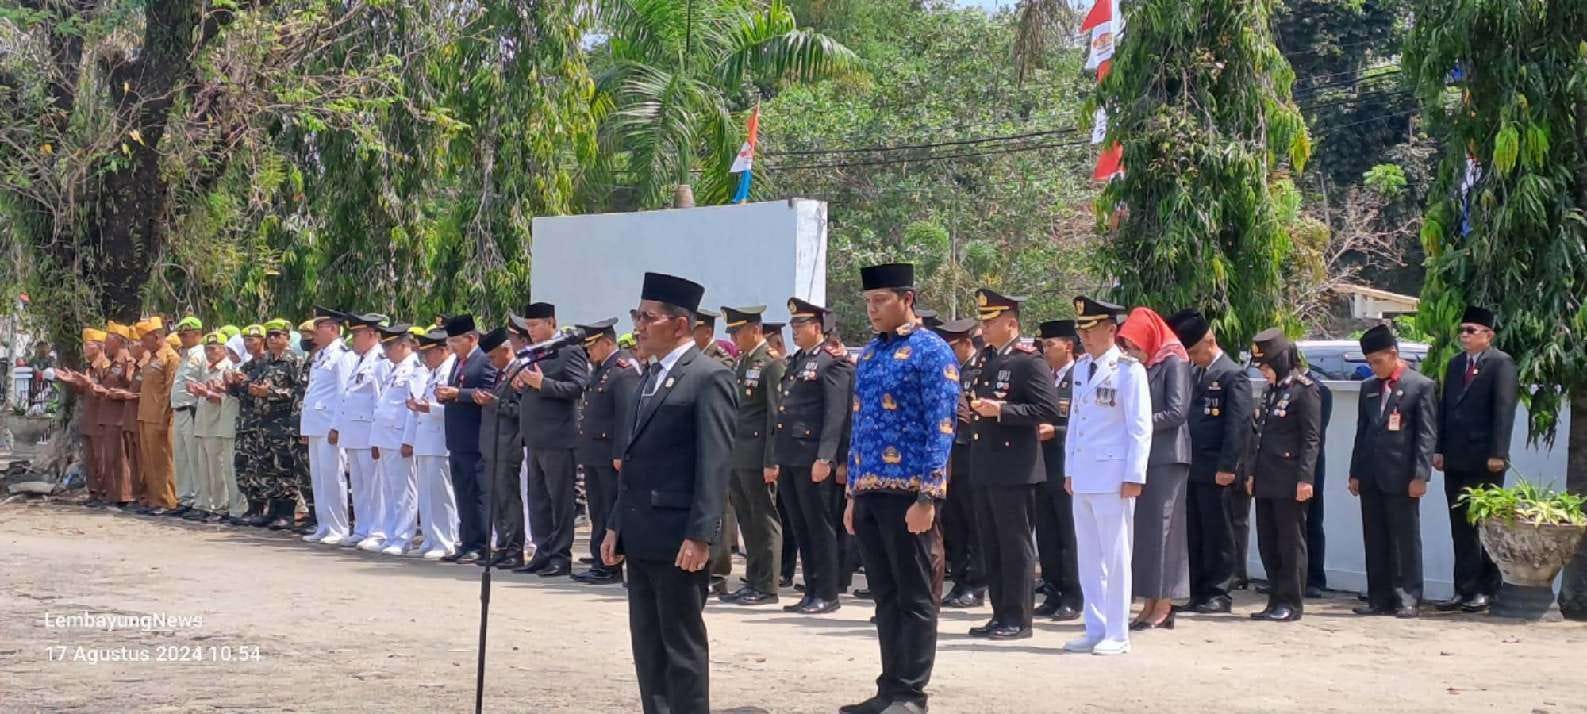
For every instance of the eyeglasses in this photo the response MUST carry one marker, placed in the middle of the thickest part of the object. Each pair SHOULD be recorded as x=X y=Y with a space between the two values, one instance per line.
x=645 y=318
x=1470 y=330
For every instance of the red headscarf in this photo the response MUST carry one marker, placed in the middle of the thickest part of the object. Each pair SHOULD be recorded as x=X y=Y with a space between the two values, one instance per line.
x=1148 y=331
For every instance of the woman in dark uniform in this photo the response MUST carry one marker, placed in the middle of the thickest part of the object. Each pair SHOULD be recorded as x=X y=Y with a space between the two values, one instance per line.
x=1289 y=437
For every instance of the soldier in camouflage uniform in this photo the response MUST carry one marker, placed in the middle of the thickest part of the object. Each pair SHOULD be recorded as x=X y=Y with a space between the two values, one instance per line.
x=276 y=383
x=245 y=459
x=300 y=445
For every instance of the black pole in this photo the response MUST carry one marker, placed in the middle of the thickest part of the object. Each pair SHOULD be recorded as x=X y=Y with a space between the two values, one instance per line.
x=484 y=577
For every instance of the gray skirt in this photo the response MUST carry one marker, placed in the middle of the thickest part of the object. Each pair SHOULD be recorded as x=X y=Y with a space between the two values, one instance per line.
x=1160 y=565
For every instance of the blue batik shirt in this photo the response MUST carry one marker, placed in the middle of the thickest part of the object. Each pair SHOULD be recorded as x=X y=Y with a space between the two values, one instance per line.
x=906 y=396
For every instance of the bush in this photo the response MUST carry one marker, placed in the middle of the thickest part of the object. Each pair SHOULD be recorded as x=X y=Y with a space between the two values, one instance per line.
x=1524 y=502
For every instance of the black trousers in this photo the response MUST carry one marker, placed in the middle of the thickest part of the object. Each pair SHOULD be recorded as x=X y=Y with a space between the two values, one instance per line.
x=1006 y=516
x=810 y=511
x=1210 y=531
x=848 y=546
x=505 y=470
x=1391 y=530
x=1281 y=540
x=600 y=482
x=551 y=513
x=790 y=539
x=1316 y=538
x=959 y=530
x=667 y=627
x=907 y=589
x=468 y=474
x=1475 y=572
x=1055 y=542
x=1240 y=516
x=755 y=503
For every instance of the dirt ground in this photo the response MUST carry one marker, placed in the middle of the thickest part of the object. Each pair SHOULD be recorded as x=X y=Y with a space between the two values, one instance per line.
x=289 y=626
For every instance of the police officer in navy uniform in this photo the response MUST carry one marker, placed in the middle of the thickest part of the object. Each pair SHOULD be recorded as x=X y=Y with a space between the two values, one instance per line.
x=603 y=411
x=1220 y=412
x=1011 y=398
x=1475 y=421
x=1055 y=517
x=959 y=528
x=814 y=410
x=1289 y=438
x=675 y=467
x=1390 y=467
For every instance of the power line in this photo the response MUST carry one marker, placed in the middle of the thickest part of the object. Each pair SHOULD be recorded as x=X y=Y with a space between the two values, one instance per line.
x=931 y=157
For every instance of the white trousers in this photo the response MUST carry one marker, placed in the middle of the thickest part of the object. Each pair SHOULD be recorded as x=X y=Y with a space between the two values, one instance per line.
x=330 y=489
x=1104 y=536
x=363 y=475
x=398 y=493
x=186 y=459
x=437 y=504
x=216 y=489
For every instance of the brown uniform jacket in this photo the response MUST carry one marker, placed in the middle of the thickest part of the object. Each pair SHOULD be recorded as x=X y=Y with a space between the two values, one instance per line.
x=159 y=371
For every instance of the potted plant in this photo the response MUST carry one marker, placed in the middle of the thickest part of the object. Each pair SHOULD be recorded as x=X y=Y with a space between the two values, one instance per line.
x=1530 y=532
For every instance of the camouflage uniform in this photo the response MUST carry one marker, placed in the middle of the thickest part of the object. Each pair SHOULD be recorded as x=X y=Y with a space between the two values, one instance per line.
x=280 y=456
x=716 y=351
x=245 y=459
x=300 y=451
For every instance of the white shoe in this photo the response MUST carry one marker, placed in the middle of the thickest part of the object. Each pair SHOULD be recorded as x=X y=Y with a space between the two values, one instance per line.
x=434 y=554
x=371 y=544
x=393 y=550
x=1081 y=645
x=334 y=539
x=1111 y=647
x=314 y=537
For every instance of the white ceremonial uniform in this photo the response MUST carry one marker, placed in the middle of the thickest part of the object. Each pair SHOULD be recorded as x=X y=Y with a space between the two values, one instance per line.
x=354 y=420
x=329 y=371
x=426 y=433
x=396 y=484
x=1109 y=439
x=186 y=459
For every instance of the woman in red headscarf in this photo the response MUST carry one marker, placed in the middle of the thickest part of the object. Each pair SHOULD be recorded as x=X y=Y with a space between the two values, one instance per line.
x=1161 y=561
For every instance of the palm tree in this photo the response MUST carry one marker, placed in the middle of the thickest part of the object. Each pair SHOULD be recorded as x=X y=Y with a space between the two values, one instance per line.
x=676 y=71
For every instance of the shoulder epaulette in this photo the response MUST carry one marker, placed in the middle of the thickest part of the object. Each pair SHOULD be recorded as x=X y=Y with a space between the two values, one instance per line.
x=1025 y=347
x=623 y=363
x=774 y=354
x=836 y=351
x=1127 y=358
x=1304 y=379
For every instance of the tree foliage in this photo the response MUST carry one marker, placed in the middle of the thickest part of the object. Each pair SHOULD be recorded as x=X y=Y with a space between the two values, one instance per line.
x=1199 y=97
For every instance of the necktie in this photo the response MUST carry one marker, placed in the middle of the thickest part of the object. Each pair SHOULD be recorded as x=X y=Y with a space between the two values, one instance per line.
x=1471 y=368
x=1093 y=374
x=652 y=377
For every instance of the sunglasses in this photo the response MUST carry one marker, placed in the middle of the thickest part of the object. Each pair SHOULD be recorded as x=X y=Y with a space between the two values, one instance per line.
x=1468 y=330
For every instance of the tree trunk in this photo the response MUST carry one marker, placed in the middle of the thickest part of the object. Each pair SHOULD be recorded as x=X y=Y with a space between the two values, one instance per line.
x=1573 y=593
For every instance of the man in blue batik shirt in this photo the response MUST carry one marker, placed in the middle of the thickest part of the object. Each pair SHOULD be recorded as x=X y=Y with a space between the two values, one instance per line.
x=906 y=394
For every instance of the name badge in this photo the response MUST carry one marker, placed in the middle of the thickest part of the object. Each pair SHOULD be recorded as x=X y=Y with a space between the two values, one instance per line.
x=1063 y=407
x=1394 y=420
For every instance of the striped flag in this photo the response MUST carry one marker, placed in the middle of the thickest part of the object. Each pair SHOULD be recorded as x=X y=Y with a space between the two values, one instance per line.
x=1106 y=24
x=744 y=163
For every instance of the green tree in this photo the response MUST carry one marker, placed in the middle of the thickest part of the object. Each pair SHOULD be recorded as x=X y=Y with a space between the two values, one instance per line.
x=1199 y=97
x=1519 y=108
x=673 y=74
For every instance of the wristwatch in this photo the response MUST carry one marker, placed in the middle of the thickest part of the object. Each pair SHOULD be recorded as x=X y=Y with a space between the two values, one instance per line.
x=925 y=499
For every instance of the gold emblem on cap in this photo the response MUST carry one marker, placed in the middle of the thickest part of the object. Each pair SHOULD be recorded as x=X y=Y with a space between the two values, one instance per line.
x=1080 y=306
x=980 y=299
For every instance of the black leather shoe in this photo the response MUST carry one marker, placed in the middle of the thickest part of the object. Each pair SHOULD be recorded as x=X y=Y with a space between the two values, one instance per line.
x=756 y=597
x=258 y=521
x=534 y=565
x=138 y=509
x=556 y=569
x=279 y=524
x=511 y=562
x=1370 y=611
x=966 y=599
x=736 y=594
x=1475 y=603
x=785 y=582
x=874 y=705
x=1314 y=593
x=468 y=556
x=1281 y=613
x=1009 y=632
x=452 y=558
x=1451 y=605
x=817 y=606
x=862 y=593
x=1240 y=585
x=1047 y=607
x=93 y=503
x=586 y=560
x=1214 y=606
x=178 y=512
x=1409 y=612
x=193 y=514
x=795 y=607
x=307 y=528
x=985 y=630
x=799 y=587
x=1065 y=613
x=1264 y=589
x=1166 y=623
x=237 y=521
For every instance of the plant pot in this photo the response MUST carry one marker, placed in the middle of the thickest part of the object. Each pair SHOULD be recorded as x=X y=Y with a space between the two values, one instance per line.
x=1529 y=556
x=683 y=196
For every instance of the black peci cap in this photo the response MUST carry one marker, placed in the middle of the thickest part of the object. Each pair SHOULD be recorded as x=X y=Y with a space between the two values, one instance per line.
x=1377 y=339
x=1478 y=316
x=540 y=311
x=1058 y=328
x=887 y=275
x=1189 y=326
x=672 y=290
x=493 y=339
x=1089 y=312
x=460 y=324
x=989 y=303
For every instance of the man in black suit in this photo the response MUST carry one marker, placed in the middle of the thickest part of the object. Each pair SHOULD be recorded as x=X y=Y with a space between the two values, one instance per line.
x=1014 y=395
x=1055 y=517
x=1219 y=425
x=959 y=531
x=1396 y=433
x=604 y=411
x=1475 y=422
x=471 y=372
x=502 y=447
x=675 y=469
x=814 y=401
x=550 y=389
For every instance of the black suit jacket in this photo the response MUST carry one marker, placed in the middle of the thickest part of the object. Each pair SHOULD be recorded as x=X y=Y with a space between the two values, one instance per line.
x=816 y=396
x=1476 y=419
x=677 y=460
x=1386 y=459
x=546 y=418
x=1288 y=432
x=605 y=407
x=1052 y=450
x=1005 y=450
x=462 y=416
x=1220 y=414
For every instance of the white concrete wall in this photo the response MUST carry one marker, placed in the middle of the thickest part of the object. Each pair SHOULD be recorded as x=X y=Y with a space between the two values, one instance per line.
x=592 y=266
x=1346 y=559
